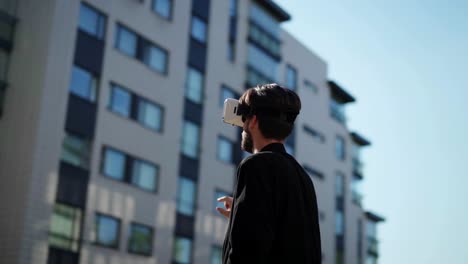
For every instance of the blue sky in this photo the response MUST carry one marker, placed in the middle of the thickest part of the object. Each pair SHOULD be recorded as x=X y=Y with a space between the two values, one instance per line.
x=406 y=62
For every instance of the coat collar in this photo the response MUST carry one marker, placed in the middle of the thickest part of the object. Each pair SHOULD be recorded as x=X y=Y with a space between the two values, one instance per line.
x=274 y=147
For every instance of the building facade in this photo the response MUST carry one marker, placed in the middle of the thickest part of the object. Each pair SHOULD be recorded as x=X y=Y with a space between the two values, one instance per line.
x=112 y=147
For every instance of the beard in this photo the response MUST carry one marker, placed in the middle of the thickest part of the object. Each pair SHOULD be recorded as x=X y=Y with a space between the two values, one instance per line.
x=247 y=141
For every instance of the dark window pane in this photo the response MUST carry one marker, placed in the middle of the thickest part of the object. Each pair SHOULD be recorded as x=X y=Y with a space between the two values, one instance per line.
x=199 y=29
x=83 y=84
x=194 y=85
x=65 y=227
x=155 y=58
x=141 y=239
x=163 y=7
x=190 y=139
x=182 y=250
x=114 y=164
x=339 y=185
x=150 y=115
x=340 y=148
x=76 y=151
x=225 y=148
x=144 y=175
x=216 y=255
x=291 y=77
x=107 y=231
x=126 y=41
x=91 y=21
x=186 y=196
x=226 y=93
x=120 y=101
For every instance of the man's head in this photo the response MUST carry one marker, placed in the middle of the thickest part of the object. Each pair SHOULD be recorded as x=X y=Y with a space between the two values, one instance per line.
x=272 y=111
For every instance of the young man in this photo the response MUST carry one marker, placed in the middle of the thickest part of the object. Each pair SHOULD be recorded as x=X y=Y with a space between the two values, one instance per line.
x=273 y=216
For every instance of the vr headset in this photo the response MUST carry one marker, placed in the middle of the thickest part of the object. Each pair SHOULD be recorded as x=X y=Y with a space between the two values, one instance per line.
x=234 y=113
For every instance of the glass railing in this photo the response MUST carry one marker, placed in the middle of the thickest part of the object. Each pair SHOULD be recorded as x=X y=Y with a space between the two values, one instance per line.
x=337 y=111
x=258 y=35
x=357 y=166
x=372 y=245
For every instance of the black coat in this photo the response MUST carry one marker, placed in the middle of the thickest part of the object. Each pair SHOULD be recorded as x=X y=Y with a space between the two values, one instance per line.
x=274 y=218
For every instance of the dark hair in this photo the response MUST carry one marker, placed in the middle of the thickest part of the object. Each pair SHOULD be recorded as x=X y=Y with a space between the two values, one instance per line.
x=276 y=109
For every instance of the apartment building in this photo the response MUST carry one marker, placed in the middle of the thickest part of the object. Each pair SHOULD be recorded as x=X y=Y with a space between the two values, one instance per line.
x=112 y=147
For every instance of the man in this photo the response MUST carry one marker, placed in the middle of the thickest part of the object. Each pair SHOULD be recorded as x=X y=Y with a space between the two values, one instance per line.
x=273 y=216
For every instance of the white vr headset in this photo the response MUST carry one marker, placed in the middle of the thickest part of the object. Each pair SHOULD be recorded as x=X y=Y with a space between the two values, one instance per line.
x=234 y=112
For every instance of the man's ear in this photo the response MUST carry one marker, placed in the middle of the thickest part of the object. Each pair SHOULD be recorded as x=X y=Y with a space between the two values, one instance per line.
x=253 y=122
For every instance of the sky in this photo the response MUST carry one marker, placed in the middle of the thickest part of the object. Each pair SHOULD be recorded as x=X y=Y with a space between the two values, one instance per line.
x=406 y=62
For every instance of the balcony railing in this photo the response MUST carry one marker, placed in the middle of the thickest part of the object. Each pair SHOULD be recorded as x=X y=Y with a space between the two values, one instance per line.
x=372 y=246
x=357 y=167
x=337 y=112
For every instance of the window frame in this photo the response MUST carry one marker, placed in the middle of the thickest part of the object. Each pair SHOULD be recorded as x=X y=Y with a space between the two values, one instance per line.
x=156 y=11
x=152 y=233
x=96 y=242
x=193 y=34
x=79 y=215
x=231 y=143
x=85 y=143
x=181 y=203
x=93 y=92
x=183 y=238
x=101 y=21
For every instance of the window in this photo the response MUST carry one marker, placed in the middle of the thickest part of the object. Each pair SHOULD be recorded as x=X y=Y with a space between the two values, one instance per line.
x=198 y=29
x=126 y=41
x=107 y=231
x=261 y=37
x=233 y=8
x=339 y=223
x=190 y=139
x=356 y=190
x=263 y=18
x=231 y=51
x=140 y=240
x=340 y=148
x=310 y=86
x=163 y=8
x=291 y=77
x=182 y=250
x=92 y=21
x=194 y=85
x=114 y=164
x=225 y=148
x=262 y=63
x=186 y=196
x=83 y=84
x=120 y=101
x=219 y=194
x=317 y=136
x=339 y=185
x=216 y=255
x=65 y=227
x=150 y=115
x=226 y=92
x=152 y=55
x=144 y=175
x=155 y=58
x=337 y=111
x=76 y=151
x=313 y=172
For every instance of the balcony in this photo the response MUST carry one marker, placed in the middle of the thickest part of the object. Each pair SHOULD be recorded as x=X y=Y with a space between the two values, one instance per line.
x=337 y=111
x=372 y=246
x=357 y=168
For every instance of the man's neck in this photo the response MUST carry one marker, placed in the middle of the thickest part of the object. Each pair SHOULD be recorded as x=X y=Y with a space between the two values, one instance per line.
x=264 y=142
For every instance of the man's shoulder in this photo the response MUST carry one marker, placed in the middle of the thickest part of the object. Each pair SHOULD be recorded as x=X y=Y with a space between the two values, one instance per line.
x=263 y=158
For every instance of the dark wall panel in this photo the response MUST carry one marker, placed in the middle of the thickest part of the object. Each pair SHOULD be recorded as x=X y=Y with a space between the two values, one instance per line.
x=89 y=52
x=81 y=116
